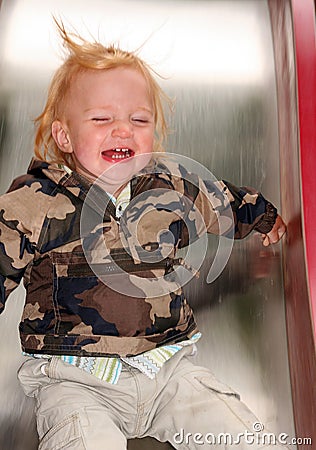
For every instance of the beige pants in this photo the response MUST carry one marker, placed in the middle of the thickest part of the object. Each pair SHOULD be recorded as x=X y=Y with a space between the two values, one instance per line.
x=184 y=405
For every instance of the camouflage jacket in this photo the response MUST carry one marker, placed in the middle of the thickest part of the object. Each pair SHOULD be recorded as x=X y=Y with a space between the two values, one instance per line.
x=90 y=278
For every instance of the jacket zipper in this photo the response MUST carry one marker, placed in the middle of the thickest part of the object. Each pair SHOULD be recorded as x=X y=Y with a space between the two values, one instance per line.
x=128 y=266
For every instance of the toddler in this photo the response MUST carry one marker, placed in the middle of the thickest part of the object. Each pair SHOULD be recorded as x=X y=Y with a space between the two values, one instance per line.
x=93 y=230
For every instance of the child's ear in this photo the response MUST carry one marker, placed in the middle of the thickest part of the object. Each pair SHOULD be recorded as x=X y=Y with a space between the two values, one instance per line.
x=61 y=137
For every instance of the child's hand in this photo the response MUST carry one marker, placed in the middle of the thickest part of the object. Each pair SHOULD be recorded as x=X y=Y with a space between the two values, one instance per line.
x=279 y=228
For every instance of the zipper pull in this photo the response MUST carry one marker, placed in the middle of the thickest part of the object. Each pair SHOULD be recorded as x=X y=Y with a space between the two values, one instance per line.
x=181 y=262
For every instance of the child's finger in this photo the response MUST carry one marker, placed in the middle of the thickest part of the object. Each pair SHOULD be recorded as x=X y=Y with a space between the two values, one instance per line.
x=265 y=240
x=281 y=231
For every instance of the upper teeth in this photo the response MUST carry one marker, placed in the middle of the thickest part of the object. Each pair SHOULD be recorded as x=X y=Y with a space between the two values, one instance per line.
x=121 y=149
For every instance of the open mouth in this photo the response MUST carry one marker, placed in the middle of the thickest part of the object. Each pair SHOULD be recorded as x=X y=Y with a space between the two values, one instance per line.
x=117 y=154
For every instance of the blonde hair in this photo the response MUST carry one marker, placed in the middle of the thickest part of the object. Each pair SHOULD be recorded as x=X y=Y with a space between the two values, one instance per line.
x=84 y=56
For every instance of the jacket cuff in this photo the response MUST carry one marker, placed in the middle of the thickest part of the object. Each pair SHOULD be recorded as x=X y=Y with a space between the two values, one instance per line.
x=267 y=221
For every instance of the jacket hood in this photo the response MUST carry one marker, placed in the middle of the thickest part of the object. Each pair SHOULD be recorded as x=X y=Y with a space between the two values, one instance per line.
x=61 y=175
x=55 y=172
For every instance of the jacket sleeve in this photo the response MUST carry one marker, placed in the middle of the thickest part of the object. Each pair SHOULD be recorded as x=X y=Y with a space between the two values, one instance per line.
x=251 y=211
x=16 y=251
x=232 y=211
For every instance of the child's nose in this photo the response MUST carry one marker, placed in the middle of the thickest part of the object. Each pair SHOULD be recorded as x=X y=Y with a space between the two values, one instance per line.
x=121 y=129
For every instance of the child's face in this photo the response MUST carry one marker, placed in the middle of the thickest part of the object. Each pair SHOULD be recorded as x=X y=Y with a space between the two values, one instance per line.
x=108 y=121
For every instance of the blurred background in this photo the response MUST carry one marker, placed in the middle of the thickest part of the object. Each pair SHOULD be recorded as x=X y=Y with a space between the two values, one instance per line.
x=216 y=60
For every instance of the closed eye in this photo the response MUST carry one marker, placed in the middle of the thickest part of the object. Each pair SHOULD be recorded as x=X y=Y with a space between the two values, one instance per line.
x=101 y=119
x=140 y=120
